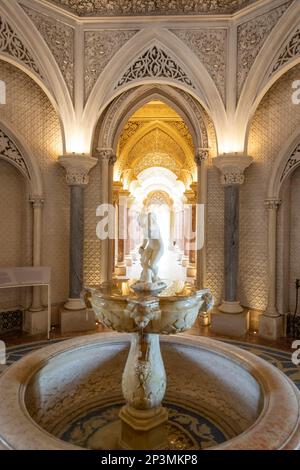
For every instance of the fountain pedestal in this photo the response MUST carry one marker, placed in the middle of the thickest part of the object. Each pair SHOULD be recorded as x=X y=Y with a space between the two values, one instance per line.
x=146 y=315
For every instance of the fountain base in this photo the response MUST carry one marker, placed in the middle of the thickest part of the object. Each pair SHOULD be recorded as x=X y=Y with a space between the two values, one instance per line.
x=143 y=429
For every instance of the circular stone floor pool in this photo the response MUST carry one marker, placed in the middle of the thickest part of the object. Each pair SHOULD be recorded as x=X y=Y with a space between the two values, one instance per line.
x=68 y=396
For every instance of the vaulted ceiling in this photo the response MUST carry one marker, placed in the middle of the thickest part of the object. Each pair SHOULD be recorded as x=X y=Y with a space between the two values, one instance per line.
x=151 y=7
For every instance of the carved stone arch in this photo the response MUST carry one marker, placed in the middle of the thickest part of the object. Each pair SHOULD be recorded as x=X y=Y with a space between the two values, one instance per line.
x=285 y=164
x=201 y=85
x=124 y=106
x=15 y=151
x=264 y=72
x=49 y=77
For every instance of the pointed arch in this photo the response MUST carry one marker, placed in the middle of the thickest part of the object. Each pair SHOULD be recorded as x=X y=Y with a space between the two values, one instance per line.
x=262 y=75
x=202 y=87
x=286 y=162
x=49 y=76
x=16 y=152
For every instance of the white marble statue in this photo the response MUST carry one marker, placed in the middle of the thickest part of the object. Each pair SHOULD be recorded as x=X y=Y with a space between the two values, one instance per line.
x=151 y=252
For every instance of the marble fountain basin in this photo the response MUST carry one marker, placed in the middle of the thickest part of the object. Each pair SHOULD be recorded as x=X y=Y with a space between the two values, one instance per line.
x=61 y=396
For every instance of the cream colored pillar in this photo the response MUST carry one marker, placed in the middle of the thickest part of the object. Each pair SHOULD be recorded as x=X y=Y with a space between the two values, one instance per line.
x=37 y=204
x=110 y=263
x=231 y=319
x=74 y=316
x=270 y=323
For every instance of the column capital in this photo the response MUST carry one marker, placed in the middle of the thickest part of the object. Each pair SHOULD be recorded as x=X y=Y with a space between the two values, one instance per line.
x=202 y=154
x=272 y=203
x=232 y=167
x=37 y=201
x=107 y=155
x=77 y=168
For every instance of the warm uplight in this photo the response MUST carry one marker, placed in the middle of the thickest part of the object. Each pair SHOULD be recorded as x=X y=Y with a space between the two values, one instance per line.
x=77 y=144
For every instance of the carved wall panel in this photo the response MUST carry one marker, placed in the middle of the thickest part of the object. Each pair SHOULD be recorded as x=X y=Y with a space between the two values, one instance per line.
x=99 y=48
x=151 y=7
x=251 y=37
x=10 y=152
x=11 y=44
x=210 y=45
x=292 y=162
x=155 y=63
x=60 y=40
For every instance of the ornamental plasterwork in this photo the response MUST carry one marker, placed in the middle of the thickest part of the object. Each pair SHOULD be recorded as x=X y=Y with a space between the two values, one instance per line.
x=129 y=130
x=183 y=130
x=11 y=44
x=155 y=63
x=210 y=45
x=100 y=47
x=10 y=152
x=293 y=160
x=60 y=39
x=157 y=159
x=151 y=7
x=289 y=51
x=251 y=38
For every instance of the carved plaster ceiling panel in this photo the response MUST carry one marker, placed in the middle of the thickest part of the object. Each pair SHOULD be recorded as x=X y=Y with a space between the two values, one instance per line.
x=151 y=7
x=60 y=39
x=290 y=50
x=251 y=38
x=157 y=160
x=210 y=45
x=11 y=153
x=100 y=47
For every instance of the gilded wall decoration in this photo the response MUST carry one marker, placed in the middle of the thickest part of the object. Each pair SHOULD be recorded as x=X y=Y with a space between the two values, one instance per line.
x=12 y=45
x=210 y=45
x=151 y=7
x=251 y=37
x=60 y=39
x=130 y=128
x=184 y=131
x=100 y=47
x=157 y=159
x=11 y=153
x=289 y=51
x=292 y=162
x=155 y=63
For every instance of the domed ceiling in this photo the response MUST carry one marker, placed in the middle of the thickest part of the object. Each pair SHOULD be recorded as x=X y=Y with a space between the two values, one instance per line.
x=151 y=7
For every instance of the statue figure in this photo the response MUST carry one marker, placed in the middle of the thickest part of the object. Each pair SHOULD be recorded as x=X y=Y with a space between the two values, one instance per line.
x=151 y=252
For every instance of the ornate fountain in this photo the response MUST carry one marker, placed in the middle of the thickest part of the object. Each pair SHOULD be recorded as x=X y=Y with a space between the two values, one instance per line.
x=146 y=309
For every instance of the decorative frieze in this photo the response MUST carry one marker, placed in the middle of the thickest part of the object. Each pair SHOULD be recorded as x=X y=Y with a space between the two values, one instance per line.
x=251 y=37
x=201 y=155
x=10 y=152
x=210 y=45
x=151 y=7
x=100 y=47
x=11 y=44
x=155 y=63
x=60 y=39
x=289 y=51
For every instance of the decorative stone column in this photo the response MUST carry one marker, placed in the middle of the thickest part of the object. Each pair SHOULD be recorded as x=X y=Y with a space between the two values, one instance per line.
x=232 y=167
x=200 y=160
x=108 y=159
x=270 y=323
x=37 y=205
x=77 y=169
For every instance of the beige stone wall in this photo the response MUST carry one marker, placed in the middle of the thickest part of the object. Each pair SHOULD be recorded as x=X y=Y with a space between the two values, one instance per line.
x=32 y=116
x=275 y=120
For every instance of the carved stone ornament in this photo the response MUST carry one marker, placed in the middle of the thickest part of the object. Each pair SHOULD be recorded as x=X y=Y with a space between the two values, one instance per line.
x=11 y=44
x=272 y=204
x=210 y=45
x=289 y=52
x=292 y=162
x=155 y=63
x=60 y=40
x=10 y=152
x=107 y=154
x=100 y=47
x=251 y=38
x=201 y=156
x=232 y=168
x=37 y=201
x=77 y=168
x=151 y=7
